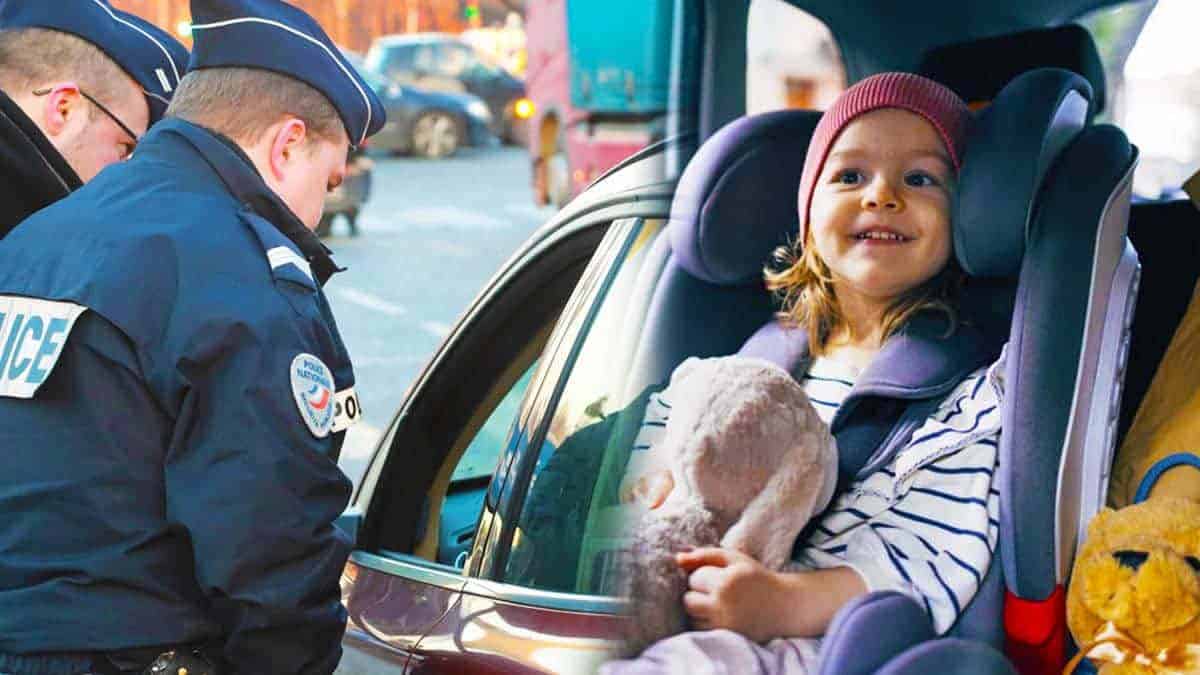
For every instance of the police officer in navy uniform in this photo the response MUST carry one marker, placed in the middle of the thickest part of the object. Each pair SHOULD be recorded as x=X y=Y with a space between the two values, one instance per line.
x=173 y=388
x=79 y=84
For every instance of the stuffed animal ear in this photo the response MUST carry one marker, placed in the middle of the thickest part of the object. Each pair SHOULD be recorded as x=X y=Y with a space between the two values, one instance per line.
x=1099 y=524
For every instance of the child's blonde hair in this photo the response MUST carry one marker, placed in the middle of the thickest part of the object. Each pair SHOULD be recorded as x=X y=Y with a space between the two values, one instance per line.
x=804 y=286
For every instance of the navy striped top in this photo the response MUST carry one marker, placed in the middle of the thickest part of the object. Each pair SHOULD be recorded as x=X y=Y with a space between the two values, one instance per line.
x=924 y=525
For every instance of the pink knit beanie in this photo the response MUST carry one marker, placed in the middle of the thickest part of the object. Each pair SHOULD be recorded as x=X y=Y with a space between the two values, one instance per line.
x=937 y=104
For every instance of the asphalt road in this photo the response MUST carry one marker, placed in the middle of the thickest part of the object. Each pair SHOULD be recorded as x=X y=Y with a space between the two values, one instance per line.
x=432 y=234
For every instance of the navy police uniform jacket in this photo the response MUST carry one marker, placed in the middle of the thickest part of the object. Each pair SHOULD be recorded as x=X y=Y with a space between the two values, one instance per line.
x=173 y=391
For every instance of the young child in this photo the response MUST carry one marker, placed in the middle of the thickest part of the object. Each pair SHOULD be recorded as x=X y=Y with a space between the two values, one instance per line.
x=871 y=287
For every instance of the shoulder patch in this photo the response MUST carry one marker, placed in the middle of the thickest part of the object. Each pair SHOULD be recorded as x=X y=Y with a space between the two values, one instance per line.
x=312 y=387
x=282 y=255
x=32 y=335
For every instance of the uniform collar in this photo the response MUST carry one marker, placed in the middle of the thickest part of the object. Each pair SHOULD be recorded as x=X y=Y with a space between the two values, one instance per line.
x=244 y=182
x=34 y=173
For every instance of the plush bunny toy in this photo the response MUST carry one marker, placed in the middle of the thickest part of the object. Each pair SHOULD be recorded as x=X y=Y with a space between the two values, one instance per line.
x=744 y=463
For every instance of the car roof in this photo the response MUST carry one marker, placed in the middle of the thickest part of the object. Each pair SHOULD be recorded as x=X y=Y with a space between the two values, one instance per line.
x=879 y=35
x=397 y=39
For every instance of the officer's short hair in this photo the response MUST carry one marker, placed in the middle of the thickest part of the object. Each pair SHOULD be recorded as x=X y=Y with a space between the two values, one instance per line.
x=242 y=103
x=30 y=57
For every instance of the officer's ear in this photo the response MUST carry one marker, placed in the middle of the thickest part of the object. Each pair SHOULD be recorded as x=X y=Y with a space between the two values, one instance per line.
x=289 y=140
x=62 y=106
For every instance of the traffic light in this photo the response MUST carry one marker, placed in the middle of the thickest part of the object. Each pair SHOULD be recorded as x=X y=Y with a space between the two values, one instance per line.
x=471 y=10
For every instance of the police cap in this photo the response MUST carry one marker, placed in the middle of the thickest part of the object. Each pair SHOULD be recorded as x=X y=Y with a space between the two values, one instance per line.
x=276 y=36
x=154 y=59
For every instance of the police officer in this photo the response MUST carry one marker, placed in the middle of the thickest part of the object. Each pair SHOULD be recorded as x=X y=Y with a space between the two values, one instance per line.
x=173 y=388
x=79 y=84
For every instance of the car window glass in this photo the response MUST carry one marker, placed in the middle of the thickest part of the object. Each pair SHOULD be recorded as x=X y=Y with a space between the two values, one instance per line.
x=1151 y=70
x=792 y=60
x=453 y=59
x=569 y=535
x=424 y=58
x=397 y=62
x=481 y=456
x=458 y=513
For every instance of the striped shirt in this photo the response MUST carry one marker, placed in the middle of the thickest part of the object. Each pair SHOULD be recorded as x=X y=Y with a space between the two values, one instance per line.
x=924 y=525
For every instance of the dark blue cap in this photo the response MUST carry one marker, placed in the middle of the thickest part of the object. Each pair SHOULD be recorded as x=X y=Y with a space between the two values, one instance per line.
x=275 y=36
x=154 y=59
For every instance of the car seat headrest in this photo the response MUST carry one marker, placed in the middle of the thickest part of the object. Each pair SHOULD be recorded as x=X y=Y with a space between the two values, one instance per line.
x=736 y=200
x=1010 y=147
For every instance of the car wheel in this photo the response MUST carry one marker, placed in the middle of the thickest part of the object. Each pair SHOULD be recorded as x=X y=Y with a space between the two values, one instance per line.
x=325 y=225
x=435 y=135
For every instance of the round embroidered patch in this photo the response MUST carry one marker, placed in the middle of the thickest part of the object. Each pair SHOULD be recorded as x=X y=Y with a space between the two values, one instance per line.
x=312 y=386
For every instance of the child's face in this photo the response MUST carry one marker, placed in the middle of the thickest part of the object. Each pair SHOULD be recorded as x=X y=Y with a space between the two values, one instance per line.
x=880 y=213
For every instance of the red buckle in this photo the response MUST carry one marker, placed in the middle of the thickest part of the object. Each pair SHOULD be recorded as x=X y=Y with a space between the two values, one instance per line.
x=1036 y=633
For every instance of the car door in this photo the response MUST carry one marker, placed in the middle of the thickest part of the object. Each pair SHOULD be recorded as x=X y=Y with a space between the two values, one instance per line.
x=423 y=589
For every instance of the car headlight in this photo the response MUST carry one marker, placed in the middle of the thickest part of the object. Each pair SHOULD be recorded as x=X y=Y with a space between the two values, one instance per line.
x=523 y=109
x=479 y=109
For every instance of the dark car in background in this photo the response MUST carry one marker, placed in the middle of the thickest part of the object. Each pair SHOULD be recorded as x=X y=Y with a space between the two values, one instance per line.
x=348 y=198
x=429 y=124
x=426 y=123
x=445 y=63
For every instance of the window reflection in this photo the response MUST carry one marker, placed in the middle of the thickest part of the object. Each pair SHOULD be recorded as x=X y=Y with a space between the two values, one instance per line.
x=570 y=524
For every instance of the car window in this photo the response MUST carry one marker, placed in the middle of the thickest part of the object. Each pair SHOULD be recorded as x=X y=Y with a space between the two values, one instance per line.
x=1151 y=70
x=453 y=59
x=569 y=535
x=424 y=58
x=390 y=61
x=481 y=456
x=792 y=60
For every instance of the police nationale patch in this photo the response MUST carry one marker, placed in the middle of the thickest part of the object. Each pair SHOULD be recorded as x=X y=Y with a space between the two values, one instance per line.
x=312 y=386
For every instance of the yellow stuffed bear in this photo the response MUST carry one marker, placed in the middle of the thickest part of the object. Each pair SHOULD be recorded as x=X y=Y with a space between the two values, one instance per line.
x=1133 y=605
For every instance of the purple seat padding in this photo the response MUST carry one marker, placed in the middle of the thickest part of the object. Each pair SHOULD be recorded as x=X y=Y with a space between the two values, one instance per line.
x=736 y=200
x=871 y=630
x=1010 y=149
x=949 y=656
x=1045 y=348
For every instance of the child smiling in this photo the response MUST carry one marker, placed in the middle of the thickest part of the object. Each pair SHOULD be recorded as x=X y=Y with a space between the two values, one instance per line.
x=871 y=286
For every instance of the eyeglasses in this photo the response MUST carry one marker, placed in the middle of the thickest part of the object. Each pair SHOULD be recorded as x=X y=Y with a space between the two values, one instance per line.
x=133 y=136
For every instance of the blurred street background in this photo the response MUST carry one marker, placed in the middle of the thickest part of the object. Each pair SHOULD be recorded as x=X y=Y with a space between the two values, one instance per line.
x=490 y=131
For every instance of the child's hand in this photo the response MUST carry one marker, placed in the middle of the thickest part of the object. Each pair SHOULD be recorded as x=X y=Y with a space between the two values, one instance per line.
x=729 y=589
x=651 y=489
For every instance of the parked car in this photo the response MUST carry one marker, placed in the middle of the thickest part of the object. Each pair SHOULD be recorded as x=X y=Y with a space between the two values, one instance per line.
x=426 y=123
x=445 y=63
x=462 y=569
x=348 y=198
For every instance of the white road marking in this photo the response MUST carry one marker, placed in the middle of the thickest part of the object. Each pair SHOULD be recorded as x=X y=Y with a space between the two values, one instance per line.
x=436 y=328
x=369 y=301
x=360 y=442
x=399 y=360
x=436 y=216
x=450 y=248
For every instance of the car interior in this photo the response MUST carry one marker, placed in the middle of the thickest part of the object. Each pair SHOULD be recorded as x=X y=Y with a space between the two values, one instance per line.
x=1056 y=251
x=1084 y=283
